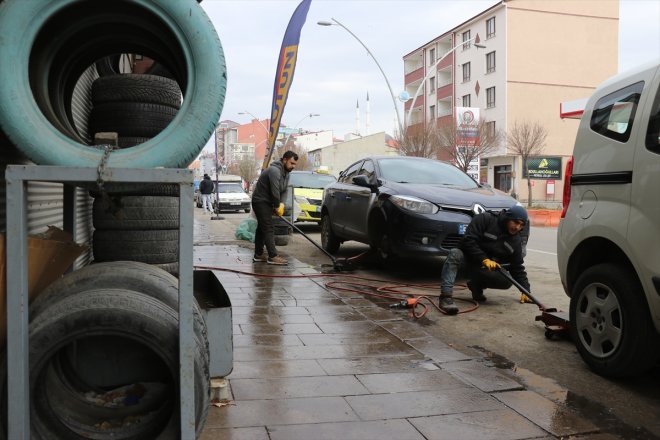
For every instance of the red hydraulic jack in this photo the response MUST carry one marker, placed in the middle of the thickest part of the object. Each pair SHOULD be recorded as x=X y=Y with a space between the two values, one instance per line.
x=557 y=323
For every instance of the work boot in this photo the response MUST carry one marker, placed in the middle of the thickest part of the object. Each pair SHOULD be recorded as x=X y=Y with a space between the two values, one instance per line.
x=277 y=260
x=447 y=304
x=477 y=292
x=260 y=258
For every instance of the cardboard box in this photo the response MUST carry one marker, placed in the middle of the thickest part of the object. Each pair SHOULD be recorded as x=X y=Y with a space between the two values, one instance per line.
x=50 y=254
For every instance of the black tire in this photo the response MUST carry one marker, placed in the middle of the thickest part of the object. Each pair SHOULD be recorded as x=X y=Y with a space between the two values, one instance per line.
x=136 y=212
x=281 y=240
x=131 y=119
x=135 y=189
x=108 y=65
x=329 y=241
x=153 y=247
x=171 y=268
x=136 y=88
x=37 y=86
x=611 y=323
x=131 y=141
x=124 y=315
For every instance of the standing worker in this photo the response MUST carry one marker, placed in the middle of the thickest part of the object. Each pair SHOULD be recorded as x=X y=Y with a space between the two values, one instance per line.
x=490 y=240
x=206 y=190
x=266 y=201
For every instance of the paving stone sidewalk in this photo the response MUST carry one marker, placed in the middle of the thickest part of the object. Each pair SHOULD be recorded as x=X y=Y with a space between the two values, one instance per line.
x=314 y=363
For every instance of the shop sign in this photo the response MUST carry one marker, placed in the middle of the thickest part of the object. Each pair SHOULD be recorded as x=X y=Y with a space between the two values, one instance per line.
x=542 y=167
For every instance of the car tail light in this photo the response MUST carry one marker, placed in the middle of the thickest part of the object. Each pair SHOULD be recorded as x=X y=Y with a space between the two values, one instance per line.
x=567 y=186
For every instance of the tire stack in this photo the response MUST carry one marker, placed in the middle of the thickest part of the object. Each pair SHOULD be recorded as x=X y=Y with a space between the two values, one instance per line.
x=104 y=358
x=141 y=224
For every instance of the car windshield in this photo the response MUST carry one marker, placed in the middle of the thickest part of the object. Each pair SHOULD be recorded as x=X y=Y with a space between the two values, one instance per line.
x=406 y=170
x=309 y=180
x=230 y=188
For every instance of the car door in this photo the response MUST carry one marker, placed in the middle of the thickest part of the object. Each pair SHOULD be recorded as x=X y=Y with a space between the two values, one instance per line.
x=338 y=201
x=644 y=224
x=361 y=199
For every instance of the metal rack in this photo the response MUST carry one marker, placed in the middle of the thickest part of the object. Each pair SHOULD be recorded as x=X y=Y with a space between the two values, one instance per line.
x=17 y=177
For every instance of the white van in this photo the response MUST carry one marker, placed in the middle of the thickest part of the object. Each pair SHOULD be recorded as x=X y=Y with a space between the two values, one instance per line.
x=608 y=242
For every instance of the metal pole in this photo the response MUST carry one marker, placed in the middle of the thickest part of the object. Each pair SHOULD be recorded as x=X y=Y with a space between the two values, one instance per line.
x=217 y=215
x=389 y=87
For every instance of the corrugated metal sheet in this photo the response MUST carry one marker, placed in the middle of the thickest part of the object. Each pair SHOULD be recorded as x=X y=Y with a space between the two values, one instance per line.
x=45 y=201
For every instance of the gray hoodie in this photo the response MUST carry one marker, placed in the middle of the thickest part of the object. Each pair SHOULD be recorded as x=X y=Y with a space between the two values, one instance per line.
x=271 y=186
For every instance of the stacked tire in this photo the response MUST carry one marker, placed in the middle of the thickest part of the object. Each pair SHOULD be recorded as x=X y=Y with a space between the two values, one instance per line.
x=104 y=358
x=137 y=228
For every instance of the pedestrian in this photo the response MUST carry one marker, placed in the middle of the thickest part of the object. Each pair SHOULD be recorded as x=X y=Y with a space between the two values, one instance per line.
x=267 y=200
x=490 y=240
x=206 y=188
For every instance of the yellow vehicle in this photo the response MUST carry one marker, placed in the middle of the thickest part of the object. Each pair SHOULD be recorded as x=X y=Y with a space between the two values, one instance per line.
x=308 y=193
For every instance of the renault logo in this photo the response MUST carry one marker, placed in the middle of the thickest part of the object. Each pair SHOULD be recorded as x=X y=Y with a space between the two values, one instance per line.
x=478 y=209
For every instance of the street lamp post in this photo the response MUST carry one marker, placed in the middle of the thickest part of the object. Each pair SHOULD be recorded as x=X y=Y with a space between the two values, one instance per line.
x=245 y=112
x=295 y=127
x=396 y=108
x=433 y=70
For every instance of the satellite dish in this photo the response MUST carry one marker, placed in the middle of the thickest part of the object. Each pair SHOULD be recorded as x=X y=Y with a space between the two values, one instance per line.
x=404 y=96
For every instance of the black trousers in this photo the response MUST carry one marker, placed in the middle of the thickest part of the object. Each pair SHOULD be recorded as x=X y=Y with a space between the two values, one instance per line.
x=483 y=278
x=264 y=234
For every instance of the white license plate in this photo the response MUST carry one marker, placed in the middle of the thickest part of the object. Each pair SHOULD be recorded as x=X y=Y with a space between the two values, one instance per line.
x=461 y=228
x=235 y=203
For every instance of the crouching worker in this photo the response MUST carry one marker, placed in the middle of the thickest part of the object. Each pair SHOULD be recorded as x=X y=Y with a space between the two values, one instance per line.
x=490 y=240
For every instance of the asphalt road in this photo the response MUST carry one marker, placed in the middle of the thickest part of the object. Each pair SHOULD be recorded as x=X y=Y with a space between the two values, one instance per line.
x=505 y=332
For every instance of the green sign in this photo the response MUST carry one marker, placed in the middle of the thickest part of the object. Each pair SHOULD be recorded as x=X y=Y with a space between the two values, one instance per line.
x=542 y=167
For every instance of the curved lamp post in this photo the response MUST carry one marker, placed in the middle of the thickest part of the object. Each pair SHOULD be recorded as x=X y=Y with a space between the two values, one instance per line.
x=245 y=112
x=433 y=70
x=328 y=23
x=310 y=115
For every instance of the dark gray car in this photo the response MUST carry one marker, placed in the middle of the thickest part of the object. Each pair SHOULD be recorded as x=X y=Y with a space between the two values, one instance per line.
x=406 y=206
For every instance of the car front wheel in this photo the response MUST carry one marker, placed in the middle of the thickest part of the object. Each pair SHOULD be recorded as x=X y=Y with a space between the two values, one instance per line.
x=611 y=322
x=329 y=240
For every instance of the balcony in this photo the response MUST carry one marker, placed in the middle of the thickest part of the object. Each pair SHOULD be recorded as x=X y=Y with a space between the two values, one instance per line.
x=414 y=76
x=445 y=91
x=448 y=61
x=419 y=101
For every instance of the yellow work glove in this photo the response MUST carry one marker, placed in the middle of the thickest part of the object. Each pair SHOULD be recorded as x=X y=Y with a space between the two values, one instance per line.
x=525 y=299
x=490 y=264
x=280 y=210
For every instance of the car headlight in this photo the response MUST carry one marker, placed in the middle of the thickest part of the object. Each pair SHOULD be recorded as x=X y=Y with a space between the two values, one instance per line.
x=302 y=200
x=414 y=204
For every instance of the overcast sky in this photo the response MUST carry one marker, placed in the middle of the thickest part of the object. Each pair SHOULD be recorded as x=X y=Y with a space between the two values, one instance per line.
x=334 y=72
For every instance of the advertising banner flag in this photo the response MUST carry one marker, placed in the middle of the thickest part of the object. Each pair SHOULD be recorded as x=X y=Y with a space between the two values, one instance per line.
x=467 y=126
x=286 y=66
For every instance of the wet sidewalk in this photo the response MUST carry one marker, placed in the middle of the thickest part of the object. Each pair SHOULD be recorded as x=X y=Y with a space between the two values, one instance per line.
x=315 y=363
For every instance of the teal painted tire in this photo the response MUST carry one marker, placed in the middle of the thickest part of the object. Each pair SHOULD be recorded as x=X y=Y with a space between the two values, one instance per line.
x=36 y=88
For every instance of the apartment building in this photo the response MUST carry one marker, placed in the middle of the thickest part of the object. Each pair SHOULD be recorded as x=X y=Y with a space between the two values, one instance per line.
x=515 y=62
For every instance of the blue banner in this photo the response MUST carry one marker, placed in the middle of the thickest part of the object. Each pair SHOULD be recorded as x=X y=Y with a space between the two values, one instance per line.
x=286 y=66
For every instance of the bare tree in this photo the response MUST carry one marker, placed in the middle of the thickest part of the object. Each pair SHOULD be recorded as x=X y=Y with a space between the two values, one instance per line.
x=303 y=162
x=462 y=153
x=419 y=140
x=527 y=139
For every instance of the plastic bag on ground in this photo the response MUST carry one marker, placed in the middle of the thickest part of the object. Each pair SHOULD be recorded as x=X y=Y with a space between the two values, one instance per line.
x=246 y=230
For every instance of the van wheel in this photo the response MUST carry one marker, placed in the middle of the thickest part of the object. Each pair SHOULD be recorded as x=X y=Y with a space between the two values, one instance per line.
x=611 y=323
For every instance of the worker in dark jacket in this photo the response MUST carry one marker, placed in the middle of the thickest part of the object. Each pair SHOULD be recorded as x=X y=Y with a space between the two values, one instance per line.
x=267 y=200
x=490 y=240
x=206 y=190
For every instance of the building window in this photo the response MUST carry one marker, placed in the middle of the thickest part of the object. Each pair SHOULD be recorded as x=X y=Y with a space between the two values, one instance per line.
x=490 y=97
x=466 y=72
x=431 y=85
x=490 y=128
x=431 y=56
x=466 y=37
x=490 y=27
x=490 y=62
x=466 y=100
x=432 y=113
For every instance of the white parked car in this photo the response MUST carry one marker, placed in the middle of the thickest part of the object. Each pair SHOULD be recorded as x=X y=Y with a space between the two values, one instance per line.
x=232 y=197
x=608 y=242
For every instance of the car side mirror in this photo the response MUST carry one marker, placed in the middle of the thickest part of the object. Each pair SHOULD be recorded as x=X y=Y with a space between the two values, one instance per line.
x=364 y=181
